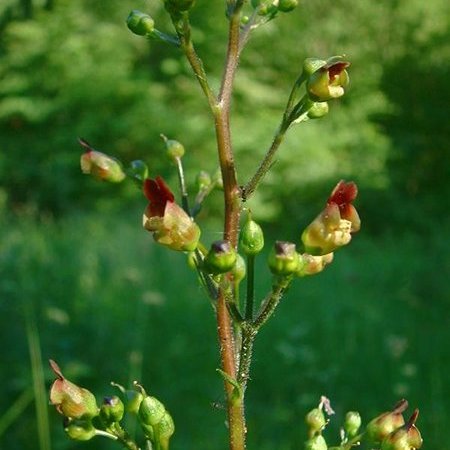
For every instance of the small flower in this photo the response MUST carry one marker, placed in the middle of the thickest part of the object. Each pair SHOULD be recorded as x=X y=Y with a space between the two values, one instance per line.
x=100 y=165
x=170 y=224
x=310 y=265
x=328 y=81
x=334 y=226
x=69 y=399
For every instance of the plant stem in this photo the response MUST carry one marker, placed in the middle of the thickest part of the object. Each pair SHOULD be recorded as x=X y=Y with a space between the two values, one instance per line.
x=249 y=302
x=266 y=163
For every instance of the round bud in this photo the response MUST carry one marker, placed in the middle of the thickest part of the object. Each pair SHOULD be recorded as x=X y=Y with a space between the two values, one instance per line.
x=151 y=411
x=221 y=258
x=315 y=420
x=138 y=170
x=316 y=443
x=283 y=260
x=140 y=23
x=318 y=110
x=203 y=180
x=112 y=410
x=352 y=423
x=252 y=238
x=174 y=149
x=79 y=430
x=287 y=5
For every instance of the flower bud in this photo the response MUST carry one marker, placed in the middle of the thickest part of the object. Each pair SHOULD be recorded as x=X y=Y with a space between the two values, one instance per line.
x=111 y=410
x=407 y=437
x=386 y=423
x=287 y=5
x=251 y=239
x=283 y=260
x=315 y=420
x=151 y=411
x=138 y=170
x=69 y=399
x=174 y=149
x=221 y=258
x=329 y=80
x=203 y=180
x=310 y=265
x=265 y=7
x=318 y=110
x=352 y=423
x=316 y=443
x=100 y=165
x=79 y=430
x=140 y=23
x=133 y=401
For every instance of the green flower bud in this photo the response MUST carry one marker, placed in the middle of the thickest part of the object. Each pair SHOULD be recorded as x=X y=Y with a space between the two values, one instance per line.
x=386 y=423
x=138 y=170
x=203 y=180
x=315 y=420
x=287 y=5
x=239 y=270
x=251 y=238
x=318 y=110
x=111 y=410
x=178 y=5
x=151 y=411
x=352 y=423
x=133 y=401
x=283 y=260
x=79 y=430
x=140 y=23
x=221 y=258
x=316 y=443
x=174 y=148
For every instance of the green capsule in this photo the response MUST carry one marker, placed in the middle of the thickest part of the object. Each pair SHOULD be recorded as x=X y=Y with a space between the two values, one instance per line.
x=221 y=258
x=140 y=23
x=352 y=423
x=138 y=171
x=283 y=260
x=79 y=430
x=112 y=410
x=316 y=443
x=383 y=425
x=151 y=411
x=287 y=5
x=315 y=420
x=251 y=239
x=174 y=149
x=165 y=427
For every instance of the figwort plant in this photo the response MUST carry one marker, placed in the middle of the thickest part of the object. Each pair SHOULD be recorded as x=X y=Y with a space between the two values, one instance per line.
x=231 y=260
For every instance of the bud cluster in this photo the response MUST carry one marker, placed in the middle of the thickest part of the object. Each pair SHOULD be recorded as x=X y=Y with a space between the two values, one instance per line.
x=83 y=419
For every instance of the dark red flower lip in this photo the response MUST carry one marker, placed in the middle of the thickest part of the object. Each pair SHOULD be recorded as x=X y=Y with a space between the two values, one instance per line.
x=343 y=194
x=158 y=194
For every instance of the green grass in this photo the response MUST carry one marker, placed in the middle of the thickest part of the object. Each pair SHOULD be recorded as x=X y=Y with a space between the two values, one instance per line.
x=111 y=305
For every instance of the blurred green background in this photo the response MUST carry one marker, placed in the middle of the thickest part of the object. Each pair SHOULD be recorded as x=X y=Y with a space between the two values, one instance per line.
x=80 y=282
